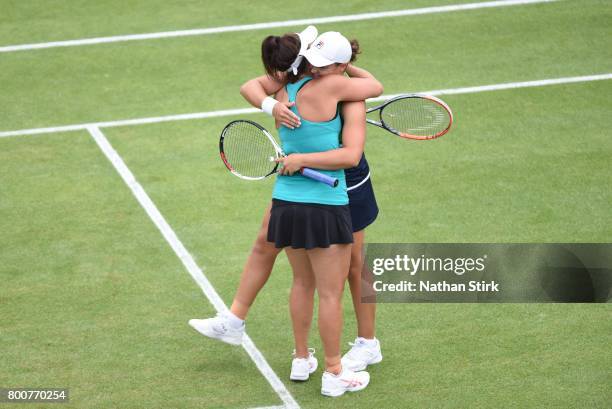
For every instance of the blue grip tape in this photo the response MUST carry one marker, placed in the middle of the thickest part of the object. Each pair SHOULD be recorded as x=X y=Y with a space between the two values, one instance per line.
x=321 y=177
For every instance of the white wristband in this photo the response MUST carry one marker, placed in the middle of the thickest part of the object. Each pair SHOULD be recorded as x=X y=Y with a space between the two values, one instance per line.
x=267 y=105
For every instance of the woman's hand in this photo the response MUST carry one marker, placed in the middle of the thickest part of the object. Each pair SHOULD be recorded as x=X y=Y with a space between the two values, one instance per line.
x=284 y=116
x=350 y=70
x=290 y=164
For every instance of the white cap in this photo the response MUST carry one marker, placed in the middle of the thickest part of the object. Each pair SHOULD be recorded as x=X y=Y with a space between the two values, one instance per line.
x=307 y=36
x=329 y=48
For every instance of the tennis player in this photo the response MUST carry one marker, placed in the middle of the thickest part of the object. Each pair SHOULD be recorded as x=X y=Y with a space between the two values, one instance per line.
x=326 y=247
x=362 y=203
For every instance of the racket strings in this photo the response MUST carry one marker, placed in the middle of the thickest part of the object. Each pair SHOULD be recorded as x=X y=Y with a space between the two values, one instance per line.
x=248 y=150
x=416 y=116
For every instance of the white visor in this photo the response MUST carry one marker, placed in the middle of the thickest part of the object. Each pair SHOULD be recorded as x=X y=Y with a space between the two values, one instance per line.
x=307 y=36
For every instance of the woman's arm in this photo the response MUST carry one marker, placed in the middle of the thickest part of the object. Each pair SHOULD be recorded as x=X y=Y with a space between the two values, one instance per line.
x=353 y=141
x=360 y=86
x=355 y=72
x=257 y=89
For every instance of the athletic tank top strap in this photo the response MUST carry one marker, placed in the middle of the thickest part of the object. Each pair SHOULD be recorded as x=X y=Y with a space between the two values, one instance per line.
x=294 y=88
x=292 y=91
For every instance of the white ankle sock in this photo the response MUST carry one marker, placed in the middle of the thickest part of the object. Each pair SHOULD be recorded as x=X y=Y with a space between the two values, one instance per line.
x=234 y=321
x=367 y=342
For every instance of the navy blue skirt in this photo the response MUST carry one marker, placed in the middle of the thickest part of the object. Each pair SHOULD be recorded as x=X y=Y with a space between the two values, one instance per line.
x=309 y=225
x=362 y=202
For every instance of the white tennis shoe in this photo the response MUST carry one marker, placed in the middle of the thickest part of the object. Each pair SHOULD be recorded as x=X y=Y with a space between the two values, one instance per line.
x=346 y=381
x=219 y=328
x=301 y=368
x=362 y=353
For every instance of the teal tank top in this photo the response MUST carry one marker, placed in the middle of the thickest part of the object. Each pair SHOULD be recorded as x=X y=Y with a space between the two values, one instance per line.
x=310 y=137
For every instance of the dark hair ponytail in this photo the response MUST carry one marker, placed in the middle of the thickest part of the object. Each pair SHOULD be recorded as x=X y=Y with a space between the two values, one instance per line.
x=355 y=49
x=277 y=55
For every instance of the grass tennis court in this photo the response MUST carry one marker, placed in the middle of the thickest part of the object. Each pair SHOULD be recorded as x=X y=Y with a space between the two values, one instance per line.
x=94 y=299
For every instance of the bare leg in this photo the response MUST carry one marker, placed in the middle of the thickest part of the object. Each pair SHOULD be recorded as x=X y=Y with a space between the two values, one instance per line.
x=330 y=267
x=365 y=313
x=256 y=270
x=301 y=300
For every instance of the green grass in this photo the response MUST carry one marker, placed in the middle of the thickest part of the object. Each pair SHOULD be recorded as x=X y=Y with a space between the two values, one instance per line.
x=94 y=299
x=181 y=75
x=520 y=166
x=57 y=20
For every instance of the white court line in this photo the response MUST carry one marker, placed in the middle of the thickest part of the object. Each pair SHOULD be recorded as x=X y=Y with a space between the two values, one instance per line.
x=272 y=24
x=270 y=407
x=242 y=111
x=188 y=261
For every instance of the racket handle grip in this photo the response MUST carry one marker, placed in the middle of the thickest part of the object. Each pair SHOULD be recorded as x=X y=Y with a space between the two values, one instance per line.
x=320 y=177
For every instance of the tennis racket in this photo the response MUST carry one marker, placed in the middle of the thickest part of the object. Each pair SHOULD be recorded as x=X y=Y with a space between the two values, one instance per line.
x=414 y=116
x=250 y=152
